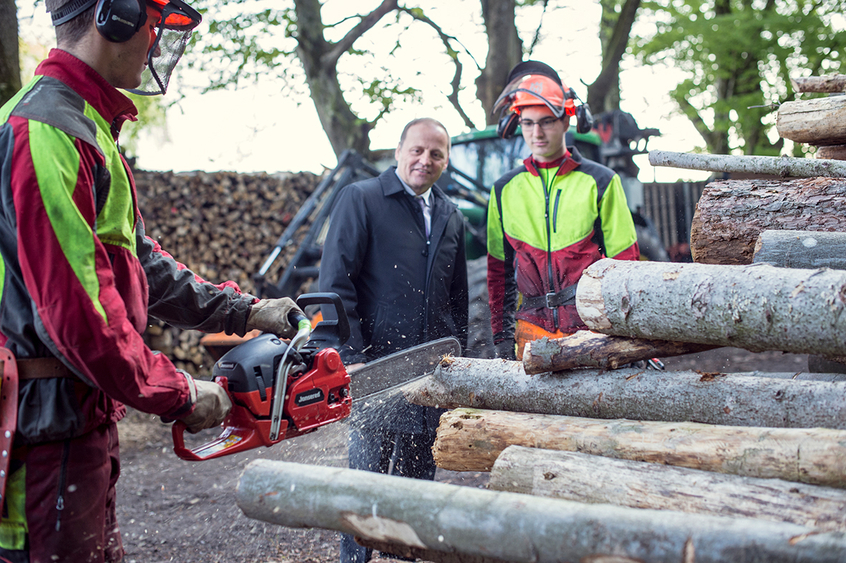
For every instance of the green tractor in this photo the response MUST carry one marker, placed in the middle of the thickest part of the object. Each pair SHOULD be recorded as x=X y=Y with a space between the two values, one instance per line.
x=477 y=159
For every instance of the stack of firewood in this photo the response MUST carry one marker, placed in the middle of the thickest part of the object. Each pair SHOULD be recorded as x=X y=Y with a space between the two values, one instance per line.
x=593 y=463
x=221 y=225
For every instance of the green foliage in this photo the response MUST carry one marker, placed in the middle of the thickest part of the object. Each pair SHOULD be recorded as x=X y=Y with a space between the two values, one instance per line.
x=151 y=119
x=739 y=56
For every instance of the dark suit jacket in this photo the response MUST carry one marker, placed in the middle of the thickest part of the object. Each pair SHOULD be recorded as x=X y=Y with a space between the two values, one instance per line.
x=399 y=288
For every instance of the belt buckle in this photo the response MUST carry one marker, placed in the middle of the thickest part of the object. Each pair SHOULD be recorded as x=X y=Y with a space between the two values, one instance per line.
x=549 y=305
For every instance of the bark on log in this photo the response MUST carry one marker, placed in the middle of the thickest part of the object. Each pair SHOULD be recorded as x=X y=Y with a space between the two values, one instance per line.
x=758 y=307
x=591 y=349
x=834 y=152
x=471 y=440
x=634 y=394
x=732 y=213
x=783 y=166
x=820 y=121
x=511 y=526
x=801 y=249
x=820 y=84
x=591 y=479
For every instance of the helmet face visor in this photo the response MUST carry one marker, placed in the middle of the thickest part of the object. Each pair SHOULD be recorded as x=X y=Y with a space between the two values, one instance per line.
x=535 y=90
x=174 y=33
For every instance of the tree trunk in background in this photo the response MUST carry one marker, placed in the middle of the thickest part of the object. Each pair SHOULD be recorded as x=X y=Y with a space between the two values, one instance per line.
x=732 y=213
x=10 y=68
x=320 y=63
x=757 y=307
x=592 y=479
x=505 y=50
x=681 y=396
x=615 y=28
x=471 y=440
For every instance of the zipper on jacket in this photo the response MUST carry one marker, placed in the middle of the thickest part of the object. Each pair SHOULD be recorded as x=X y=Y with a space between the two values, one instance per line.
x=555 y=212
x=63 y=473
x=549 y=243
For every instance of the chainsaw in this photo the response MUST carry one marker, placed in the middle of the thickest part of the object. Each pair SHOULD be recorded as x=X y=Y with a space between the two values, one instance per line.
x=280 y=390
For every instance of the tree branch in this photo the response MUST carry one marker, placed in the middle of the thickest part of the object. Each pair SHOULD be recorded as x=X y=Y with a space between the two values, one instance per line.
x=536 y=38
x=456 y=79
x=366 y=23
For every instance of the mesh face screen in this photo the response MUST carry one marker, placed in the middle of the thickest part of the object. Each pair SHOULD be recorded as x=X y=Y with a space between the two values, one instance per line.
x=168 y=49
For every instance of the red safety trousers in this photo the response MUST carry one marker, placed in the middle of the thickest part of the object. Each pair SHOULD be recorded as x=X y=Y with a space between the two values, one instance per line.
x=68 y=498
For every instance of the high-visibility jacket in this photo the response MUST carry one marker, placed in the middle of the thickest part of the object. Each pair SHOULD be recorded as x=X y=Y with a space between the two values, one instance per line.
x=547 y=222
x=78 y=276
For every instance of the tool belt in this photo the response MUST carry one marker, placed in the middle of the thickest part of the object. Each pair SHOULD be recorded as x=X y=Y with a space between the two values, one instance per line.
x=42 y=368
x=566 y=296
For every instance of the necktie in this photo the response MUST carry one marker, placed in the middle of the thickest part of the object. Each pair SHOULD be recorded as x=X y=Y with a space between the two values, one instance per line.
x=427 y=216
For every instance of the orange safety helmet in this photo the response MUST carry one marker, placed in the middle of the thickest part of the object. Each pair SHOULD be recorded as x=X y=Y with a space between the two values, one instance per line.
x=533 y=83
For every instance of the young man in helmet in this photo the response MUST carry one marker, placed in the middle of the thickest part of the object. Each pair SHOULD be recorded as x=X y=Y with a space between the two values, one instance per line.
x=550 y=218
x=80 y=279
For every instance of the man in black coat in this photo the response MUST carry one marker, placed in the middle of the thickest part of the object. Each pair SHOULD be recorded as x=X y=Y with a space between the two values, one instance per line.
x=394 y=253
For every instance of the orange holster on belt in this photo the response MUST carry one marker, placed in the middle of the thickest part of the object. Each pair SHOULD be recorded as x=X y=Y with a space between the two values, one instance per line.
x=8 y=415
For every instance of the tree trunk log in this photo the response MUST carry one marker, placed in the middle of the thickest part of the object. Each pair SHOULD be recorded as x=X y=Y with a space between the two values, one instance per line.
x=757 y=307
x=591 y=349
x=732 y=213
x=634 y=394
x=471 y=440
x=801 y=249
x=591 y=479
x=510 y=526
x=775 y=165
x=833 y=152
x=820 y=121
x=820 y=84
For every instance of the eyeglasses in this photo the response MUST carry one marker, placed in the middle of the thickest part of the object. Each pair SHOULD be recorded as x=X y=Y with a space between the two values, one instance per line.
x=545 y=124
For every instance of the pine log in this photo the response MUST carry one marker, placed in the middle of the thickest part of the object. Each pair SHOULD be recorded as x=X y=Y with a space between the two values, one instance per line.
x=731 y=214
x=831 y=84
x=472 y=439
x=586 y=348
x=634 y=394
x=801 y=249
x=783 y=166
x=757 y=307
x=592 y=479
x=511 y=526
x=819 y=121
x=834 y=152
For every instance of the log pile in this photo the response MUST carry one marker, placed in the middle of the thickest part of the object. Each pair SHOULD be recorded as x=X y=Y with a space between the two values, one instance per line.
x=593 y=463
x=221 y=225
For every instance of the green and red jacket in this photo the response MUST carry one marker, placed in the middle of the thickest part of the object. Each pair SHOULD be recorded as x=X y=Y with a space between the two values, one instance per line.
x=78 y=276
x=547 y=222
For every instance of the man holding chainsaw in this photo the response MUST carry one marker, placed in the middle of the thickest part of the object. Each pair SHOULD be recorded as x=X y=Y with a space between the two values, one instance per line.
x=79 y=279
x=394 y=253
x=550 y=218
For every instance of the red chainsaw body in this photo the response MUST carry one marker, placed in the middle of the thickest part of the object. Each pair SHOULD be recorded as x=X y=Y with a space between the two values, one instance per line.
x=316 y=397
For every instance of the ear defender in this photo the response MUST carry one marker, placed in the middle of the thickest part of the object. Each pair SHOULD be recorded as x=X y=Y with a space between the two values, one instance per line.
x=119 y=20
x=507 y=125
x=584 y=119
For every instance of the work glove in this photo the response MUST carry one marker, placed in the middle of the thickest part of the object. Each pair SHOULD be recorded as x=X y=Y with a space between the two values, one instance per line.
x=271 y=315
x=211 y=405
x=506 y=349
